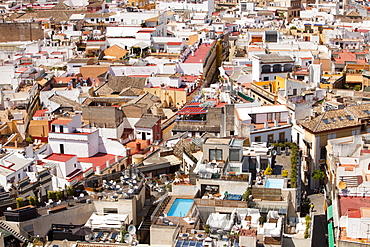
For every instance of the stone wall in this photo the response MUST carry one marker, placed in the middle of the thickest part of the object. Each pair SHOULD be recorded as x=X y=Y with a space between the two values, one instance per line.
x=21 y=31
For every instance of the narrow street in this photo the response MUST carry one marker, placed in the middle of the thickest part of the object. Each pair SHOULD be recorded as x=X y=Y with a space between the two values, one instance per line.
x=320 y=229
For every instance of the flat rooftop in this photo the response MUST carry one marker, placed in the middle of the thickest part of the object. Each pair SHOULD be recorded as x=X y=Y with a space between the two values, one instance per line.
x=223 y=141
x=199 y=55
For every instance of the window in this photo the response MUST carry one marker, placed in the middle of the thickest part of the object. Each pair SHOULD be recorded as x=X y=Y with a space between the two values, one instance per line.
x=232 y=133
x=61 y=148
x=110 y=210
x=61 y=128
x=215 y=154
x=322 y=153
x=265 y=78
x=234 y=155
x=257 y=139
x=53 y=128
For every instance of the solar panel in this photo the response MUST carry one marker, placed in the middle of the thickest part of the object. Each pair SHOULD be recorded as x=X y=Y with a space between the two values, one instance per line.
x=179 y=243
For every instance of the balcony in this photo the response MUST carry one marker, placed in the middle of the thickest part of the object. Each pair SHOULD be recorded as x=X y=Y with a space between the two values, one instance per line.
x=264 y=93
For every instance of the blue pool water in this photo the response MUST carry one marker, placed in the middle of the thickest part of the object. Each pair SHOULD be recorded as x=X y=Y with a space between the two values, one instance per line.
x=180 y=207
x=274 y=183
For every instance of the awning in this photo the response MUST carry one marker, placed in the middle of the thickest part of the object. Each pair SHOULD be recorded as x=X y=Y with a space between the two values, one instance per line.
x=141 y=45
x=93 y=47
x=192 y=110
x=329 y=212
x=331 y=234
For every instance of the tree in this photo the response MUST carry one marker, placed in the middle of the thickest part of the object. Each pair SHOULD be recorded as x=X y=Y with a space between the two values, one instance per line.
x=70 y=190
x=32 y=200
x=59 y=195
x=318 y=175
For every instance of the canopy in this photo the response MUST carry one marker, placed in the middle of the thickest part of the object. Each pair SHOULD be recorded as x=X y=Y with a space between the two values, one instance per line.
x=81 y=231
x=331 y=234
x=191 y=110
x=329 y=212
x=141 y=45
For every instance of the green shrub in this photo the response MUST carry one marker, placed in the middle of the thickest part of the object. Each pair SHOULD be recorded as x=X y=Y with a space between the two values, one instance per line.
x=29 y=139
x=32 y=200
x=308 y=225
x=59 y=194
x=208 y=229
x=261 y=220
x=246 y=194
x=70 y=190
x=19 y=202
x=284 y=173
x=51 y=195
x=268 y=171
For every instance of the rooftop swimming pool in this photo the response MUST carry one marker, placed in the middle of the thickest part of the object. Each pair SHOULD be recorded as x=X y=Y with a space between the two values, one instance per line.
x=274 y=183
x=180 y=207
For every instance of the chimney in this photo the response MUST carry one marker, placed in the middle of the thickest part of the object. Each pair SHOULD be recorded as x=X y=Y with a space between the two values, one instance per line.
x=148 y=142
x=138 y=146
x=128 y=151
x=266 y=125
x=276 y=123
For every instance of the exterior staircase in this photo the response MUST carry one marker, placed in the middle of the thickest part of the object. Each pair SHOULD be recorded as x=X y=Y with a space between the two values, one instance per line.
x=16 y=234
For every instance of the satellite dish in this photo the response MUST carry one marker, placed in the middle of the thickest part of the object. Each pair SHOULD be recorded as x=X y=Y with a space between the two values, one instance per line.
x=131 y=229
x=127 y=238
x=274 y=152
x=342 y=185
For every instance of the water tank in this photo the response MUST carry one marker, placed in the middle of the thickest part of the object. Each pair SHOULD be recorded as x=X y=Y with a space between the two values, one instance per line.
x=137 y=158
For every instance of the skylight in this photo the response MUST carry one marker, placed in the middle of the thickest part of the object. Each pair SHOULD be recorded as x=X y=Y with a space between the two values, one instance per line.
x=333 y=119
x=340 y=118
x=326 y=121
x=349 y=117
x=367 y=111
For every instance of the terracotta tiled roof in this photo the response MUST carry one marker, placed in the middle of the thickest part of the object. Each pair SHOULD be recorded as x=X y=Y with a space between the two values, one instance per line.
x=66 y=102
x=331 y=120
x=337 y=119
x=62 y=121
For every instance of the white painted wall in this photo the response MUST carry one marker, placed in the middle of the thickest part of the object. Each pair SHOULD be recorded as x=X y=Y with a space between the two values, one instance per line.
x=275 y=131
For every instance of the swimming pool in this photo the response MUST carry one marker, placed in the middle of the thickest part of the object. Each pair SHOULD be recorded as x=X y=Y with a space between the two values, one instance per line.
x=274 y=183
x=180 y=207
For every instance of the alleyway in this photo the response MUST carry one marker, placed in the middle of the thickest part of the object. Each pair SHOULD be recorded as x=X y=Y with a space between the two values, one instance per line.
x=320 y=225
